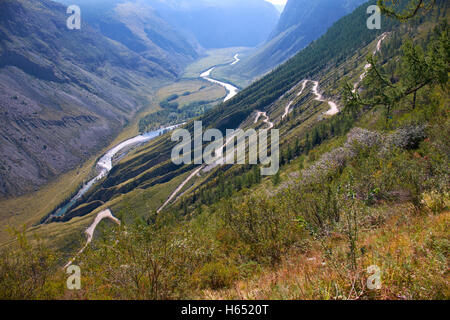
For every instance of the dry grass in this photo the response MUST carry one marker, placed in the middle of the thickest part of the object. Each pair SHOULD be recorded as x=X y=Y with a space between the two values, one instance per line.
x=411 y=249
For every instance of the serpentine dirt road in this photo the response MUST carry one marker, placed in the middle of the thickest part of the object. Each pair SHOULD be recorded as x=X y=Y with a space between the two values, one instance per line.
x=367 y=66
x=334 y=109
x=266 y=119
x=315 y=90
x=105 y=214
x=232 y=91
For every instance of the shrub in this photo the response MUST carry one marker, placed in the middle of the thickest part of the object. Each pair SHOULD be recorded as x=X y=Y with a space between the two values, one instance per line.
x=436 y=201
x=25 y=271
x=265 y=226
x=217 y=275
x=362 y=137
x=172 y=97
x=407 y=137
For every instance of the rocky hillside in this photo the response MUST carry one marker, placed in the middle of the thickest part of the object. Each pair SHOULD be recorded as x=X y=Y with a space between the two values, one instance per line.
x=140 y=28
x=65 y=93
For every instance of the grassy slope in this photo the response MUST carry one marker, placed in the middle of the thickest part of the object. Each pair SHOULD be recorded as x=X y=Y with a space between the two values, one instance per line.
x=409 y=248
x=199 y=90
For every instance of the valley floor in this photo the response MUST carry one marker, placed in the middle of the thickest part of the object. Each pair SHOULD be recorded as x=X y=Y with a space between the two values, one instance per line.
x=26 y=211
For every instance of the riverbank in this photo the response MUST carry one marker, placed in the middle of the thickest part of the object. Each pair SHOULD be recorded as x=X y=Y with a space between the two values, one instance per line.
x=29 y=209
x=103 y=167
x=231 y=90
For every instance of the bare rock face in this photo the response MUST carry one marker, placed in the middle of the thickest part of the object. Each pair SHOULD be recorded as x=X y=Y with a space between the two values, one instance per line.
x=65 y=93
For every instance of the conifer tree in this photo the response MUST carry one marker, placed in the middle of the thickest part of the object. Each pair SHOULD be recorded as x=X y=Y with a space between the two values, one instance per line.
x=404 y=9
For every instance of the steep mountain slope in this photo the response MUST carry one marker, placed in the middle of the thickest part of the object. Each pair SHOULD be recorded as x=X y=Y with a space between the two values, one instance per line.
x=151 y=167
x=301 y=22
x=136 y=25
x=209 y=21
x=65 y=93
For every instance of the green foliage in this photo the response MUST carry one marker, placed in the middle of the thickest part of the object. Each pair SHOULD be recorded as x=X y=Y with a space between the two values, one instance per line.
x=166 y=104
x=265 y=226
x=174 y=114
x=226 y=184
x=28 y=271
x=217 y=275
x=276 y=179
x=404 y=9
x=172 y=97
x=144 y=261
x=420 y=68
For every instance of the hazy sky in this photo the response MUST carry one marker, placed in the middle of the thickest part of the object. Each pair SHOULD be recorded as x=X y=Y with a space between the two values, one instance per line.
x=280 y=2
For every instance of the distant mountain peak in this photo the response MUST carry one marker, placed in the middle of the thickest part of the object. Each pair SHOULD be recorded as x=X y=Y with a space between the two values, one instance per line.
x=301 y=22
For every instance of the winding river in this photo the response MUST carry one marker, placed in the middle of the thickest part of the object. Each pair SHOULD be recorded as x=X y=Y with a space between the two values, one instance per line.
x=104 y=166
x=231 y=90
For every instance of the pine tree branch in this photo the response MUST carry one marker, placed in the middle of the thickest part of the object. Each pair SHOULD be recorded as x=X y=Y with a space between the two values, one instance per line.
x=410 y=13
